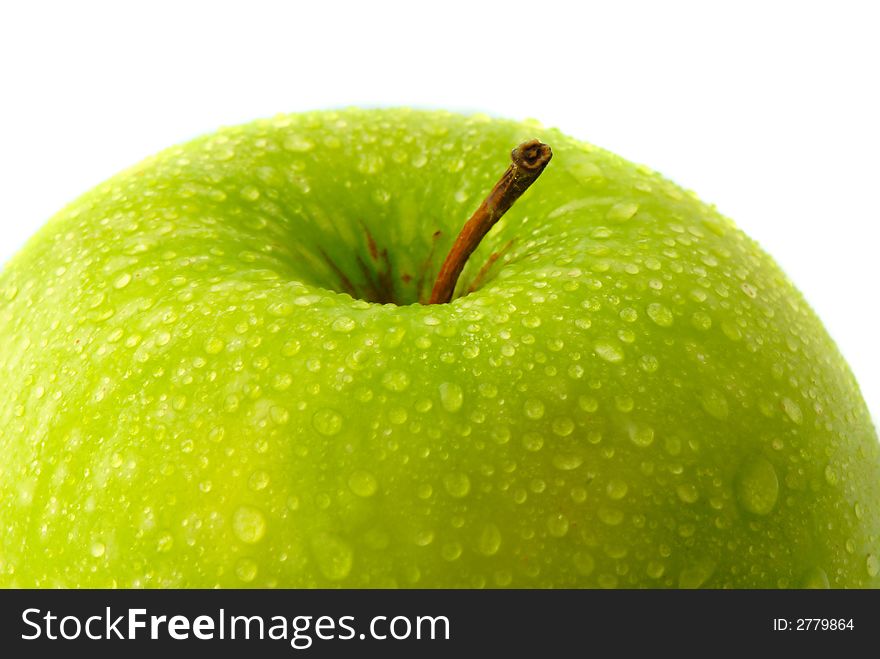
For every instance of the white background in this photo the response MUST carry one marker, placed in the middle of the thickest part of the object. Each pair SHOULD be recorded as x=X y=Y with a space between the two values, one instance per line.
x=768 y=109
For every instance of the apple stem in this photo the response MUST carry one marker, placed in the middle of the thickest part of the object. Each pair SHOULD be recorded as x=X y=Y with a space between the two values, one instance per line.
x=528 y=160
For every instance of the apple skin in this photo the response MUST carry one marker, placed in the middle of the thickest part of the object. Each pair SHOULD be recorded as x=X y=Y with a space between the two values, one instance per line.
x=636 y=396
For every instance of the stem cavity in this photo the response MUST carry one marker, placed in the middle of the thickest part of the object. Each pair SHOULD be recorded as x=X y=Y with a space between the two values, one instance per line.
x=528 y=160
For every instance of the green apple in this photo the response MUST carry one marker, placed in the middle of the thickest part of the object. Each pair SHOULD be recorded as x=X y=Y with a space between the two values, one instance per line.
x=215 y=371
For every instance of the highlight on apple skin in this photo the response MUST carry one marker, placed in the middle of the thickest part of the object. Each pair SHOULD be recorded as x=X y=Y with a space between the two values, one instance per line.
x=215 y=371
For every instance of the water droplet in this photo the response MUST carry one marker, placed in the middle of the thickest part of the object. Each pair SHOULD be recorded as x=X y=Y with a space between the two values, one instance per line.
x=250 y=193
x=534 y=408
x=714 y=403
x=792 y=411
x=490 y=540
x=10 y=292
x=567 y=462
x=629 y=315
x=557 y=525
x=214 y=345
x=451 y=396
x=660 y=314
x=486 y=390
x=873 y=565
x=622 y=211
x=363 y=483
x=608 y=351
x=290 y=348
x=424 y=538
x=649 y=363
x=281 y=309
x=616 y=489
x=451 y=551
x=696 y=575
x=397 y=415
x=757 y=486
x=370 y=163
x=259 y=480
x=701 y=321
x=165 y=543
x=588 y=403
x=224 y=153
x=642 y=435
x=279 y=415
x=343 y=324
x=282 y=381
x=532 y=441
x=555 y=345
x=249 y=524
x=815 y=579
x=501 y=435
x=327 y=422
x=563 y=426
x=457 y=485
x=246 y=569
x=98 y=549
x=687 y=492
x=297 y=144
x=830 y=475
x=586 y=172
x=731 y=331
x=300 y=301
x=122 y=280
x=395 y=380
x=611 y=516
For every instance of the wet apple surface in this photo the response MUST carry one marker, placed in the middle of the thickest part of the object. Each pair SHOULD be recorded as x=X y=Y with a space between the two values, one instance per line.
x=215 y=371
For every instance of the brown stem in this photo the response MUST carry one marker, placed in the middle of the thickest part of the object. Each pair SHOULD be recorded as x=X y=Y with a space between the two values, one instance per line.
x=528 y=161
